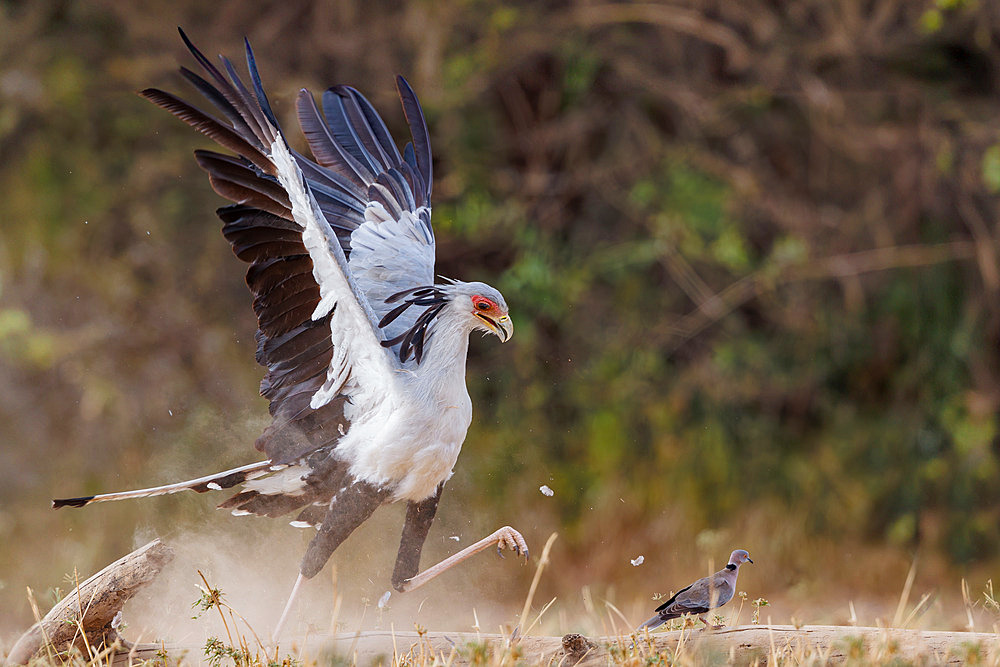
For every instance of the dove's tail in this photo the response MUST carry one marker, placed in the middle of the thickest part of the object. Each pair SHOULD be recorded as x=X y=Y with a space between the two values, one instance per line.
x=652 y=623
x=216 y=482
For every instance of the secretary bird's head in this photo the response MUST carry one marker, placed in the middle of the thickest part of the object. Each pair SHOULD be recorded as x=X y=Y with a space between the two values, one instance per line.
x=480 y=306
x=466 y=306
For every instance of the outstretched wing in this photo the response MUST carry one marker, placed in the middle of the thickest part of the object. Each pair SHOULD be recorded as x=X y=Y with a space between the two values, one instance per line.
x=326 y=241
x=392 y=246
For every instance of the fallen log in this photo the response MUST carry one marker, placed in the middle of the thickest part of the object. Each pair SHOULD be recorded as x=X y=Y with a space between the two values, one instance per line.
x=741 y=645
x=85 y=616
x=828 y=643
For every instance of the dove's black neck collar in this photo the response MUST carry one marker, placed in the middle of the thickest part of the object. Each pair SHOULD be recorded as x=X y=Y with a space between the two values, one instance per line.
x=730 y=567
x=412 y=340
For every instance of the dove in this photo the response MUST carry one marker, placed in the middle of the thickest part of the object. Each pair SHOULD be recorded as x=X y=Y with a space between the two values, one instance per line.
x=698 y=598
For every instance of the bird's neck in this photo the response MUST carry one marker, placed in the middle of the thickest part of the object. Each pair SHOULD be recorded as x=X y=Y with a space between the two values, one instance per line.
x=731 y=567
x=441 y=373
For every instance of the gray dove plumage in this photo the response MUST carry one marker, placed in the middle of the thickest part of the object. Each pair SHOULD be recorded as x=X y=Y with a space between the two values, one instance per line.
x=703 y=595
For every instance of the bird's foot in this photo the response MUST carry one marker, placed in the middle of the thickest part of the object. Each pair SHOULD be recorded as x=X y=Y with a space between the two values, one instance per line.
x=509 y=538
x=504 y=537
x=710 y=626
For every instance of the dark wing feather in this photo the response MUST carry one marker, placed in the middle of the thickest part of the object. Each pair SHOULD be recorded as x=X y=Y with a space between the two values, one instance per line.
x=378 y=128
x=295 y=350
x=222 y=104
x=363 y=129
x=346 y=134
x=207 y=125
x=258 y=87
x=672 y=599
x=325 y=147
x=245 y=106
x=241 y=172
x=418 y=129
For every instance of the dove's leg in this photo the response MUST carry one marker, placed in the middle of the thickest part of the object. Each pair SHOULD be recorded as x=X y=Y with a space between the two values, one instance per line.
x=504 y=537
x=709 y=626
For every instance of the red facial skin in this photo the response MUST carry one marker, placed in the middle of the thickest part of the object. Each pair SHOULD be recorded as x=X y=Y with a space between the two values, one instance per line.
x=480 y=304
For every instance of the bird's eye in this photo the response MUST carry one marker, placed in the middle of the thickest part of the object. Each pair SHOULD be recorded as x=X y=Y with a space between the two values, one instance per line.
x=483 y=305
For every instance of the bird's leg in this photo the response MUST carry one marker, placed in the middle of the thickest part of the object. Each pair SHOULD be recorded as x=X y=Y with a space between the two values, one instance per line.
x=709 y=626
x=288 y=606
x=348 y=509
x=504 y=537
x=419 y=517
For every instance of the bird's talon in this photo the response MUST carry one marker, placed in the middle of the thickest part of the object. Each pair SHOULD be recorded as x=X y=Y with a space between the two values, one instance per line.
x=500 y=549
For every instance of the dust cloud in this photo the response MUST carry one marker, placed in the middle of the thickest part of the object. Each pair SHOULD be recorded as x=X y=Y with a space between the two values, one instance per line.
x=254 y=563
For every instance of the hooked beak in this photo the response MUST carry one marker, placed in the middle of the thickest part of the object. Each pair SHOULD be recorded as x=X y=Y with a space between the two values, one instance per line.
x=502 y=327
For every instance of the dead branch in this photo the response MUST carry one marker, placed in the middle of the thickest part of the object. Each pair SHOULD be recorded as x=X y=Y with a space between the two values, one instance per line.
x=743 y=645
x=84 y=617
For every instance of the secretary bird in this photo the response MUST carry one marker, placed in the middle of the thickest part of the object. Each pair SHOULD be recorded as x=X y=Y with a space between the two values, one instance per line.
x=365 y=354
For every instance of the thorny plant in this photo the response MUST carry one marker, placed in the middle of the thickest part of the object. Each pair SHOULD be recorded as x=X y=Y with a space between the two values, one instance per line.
x=216 y=651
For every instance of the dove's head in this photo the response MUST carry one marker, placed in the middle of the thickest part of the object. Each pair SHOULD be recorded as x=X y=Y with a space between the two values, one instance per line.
x=739 y=557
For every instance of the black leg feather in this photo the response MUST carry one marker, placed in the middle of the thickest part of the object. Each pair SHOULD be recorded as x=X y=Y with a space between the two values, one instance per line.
x=419 y=517
x=352 y=508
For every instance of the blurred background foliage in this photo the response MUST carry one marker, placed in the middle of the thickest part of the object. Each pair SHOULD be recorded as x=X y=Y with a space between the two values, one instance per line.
x=750 y=250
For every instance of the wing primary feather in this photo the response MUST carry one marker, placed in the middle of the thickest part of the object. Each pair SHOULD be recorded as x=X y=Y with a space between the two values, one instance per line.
x=259 y=87
x=418 y=130
x=258 y=115
x=233 y=169
x=409 y=156
x=336 y=182
x=325 y=145
x=213 y=95
x=225 y=87
x=366 y=134
x=412 y=179
x=378 y=128
x=241 y=194
x=344 y=133
x=208 y=125
x=377 y=192
x=401 y=188
x=672 y=599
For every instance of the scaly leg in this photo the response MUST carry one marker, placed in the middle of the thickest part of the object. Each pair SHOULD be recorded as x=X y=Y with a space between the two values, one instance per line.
x=505 y=537
x=288 y=607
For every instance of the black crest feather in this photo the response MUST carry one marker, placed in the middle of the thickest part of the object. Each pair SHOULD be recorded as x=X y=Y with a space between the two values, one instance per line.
x=413 y=339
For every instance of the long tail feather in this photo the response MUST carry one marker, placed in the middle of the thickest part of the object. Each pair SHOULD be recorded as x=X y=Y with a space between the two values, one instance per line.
x=652 y=623
x=216 y=482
